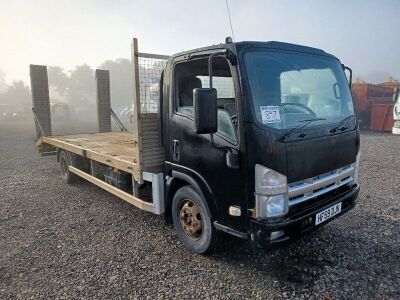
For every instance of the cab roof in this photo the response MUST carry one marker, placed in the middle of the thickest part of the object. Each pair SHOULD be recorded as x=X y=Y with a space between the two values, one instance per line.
x=240 y=46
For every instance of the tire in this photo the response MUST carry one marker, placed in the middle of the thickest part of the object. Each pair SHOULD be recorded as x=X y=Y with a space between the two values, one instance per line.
x=189 y=209
x=65 y=162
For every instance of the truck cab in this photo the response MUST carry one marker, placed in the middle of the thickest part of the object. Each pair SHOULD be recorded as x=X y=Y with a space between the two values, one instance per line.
x=261 y=142
x=255 y=139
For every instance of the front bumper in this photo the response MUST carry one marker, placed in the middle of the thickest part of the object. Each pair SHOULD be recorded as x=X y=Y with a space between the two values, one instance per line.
x=299 y=223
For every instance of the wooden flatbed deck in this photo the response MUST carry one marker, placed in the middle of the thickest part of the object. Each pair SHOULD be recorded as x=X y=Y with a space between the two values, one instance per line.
x=116 y=149
x=139 y=152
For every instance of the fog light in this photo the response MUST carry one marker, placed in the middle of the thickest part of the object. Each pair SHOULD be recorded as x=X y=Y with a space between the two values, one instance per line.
x=235 y=211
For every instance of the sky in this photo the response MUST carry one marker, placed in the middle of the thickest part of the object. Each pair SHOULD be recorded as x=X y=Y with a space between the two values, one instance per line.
x=365 y=35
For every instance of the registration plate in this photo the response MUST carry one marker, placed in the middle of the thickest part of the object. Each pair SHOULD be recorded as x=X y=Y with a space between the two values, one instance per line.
x=328 y=213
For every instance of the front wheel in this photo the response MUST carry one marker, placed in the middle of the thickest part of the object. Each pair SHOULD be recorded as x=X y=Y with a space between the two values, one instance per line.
x=192 y=221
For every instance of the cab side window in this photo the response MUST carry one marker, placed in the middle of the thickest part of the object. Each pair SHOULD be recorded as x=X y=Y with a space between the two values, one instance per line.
x=194 y=74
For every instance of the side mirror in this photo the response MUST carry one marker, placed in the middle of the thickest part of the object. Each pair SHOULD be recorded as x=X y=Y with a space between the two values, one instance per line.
x=205 y=110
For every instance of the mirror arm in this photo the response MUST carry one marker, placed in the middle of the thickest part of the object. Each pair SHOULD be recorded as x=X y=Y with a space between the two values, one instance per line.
x=210 y=63
x=350 y=72
x=231 y=153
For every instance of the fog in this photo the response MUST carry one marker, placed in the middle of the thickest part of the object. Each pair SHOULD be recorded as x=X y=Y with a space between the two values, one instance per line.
x=75 y=37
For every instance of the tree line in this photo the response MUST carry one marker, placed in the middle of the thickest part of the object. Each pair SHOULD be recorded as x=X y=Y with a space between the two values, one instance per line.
x=75 y=87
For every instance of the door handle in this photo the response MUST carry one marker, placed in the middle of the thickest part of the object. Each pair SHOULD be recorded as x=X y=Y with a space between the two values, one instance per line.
x=175 y=150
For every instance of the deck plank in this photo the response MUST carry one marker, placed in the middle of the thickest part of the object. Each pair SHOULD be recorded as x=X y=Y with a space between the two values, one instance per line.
x=116 y=149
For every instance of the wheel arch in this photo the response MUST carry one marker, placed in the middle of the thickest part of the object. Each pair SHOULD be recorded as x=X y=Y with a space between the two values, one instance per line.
x=180 y=179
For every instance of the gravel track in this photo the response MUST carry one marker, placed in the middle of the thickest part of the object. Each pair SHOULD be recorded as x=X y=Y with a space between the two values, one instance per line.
x=78 y=241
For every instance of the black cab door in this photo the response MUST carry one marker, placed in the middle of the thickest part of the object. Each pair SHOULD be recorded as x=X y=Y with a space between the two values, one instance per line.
x=195 y=154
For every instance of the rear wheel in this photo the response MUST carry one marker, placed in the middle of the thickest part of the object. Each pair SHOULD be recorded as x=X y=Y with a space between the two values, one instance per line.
x=192 y=221
x=65 y=162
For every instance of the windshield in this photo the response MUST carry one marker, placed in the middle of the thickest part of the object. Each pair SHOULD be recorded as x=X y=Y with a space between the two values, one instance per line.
x=289 y=88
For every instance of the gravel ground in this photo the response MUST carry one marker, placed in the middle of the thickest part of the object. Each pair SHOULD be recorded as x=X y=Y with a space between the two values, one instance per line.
x=60 y=241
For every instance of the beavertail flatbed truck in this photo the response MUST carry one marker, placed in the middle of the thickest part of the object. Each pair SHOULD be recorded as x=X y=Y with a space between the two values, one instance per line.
x=255 y=139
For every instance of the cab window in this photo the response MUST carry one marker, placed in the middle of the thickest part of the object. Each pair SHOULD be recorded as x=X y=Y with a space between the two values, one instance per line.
x=194 y=74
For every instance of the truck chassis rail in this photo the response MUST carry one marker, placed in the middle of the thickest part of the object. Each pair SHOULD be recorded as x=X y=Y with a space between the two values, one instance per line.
x=113 y=190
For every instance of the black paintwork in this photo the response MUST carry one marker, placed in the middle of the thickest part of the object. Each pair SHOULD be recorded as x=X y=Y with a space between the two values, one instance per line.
x=299 y=224
x=191 y=155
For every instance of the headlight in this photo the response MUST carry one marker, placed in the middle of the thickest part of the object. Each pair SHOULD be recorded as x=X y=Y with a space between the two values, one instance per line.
x=271 y=206
x=269 y=182
x=356 y=167
x=271 y=193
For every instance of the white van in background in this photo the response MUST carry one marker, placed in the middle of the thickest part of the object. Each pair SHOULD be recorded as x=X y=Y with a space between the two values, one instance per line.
x=396 y=116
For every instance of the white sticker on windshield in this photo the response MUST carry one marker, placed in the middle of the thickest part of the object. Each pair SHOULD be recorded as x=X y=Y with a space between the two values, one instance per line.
x=270 y=114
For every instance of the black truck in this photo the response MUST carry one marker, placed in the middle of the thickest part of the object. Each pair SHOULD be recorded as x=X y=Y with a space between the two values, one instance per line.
x=255 y=139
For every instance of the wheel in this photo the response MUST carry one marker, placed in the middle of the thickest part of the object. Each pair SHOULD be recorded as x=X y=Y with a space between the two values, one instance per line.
x=192 y=221
x=65 y=162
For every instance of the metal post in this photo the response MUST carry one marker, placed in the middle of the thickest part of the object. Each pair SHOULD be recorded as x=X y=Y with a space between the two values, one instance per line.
x=103 y=100
x=40 y=100
x=136 y=109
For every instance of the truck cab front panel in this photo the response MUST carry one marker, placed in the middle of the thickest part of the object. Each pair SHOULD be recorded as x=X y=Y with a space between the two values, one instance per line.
x=311 y=147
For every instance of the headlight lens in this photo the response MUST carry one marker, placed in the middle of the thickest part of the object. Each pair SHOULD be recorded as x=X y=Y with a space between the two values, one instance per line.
x=271 y=193
x=269 y=182
x=271 y=206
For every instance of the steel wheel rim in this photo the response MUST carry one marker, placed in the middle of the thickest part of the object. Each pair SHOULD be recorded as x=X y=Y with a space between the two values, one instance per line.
x=190 y=219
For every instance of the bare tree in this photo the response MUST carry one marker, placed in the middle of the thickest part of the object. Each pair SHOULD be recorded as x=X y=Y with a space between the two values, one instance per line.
x=121 y=81
x=58 y=79
x=17 y=97
x=81 y=86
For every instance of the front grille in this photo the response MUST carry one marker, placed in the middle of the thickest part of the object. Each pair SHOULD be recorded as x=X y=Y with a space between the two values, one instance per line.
x=310 y=188
x=300 y=209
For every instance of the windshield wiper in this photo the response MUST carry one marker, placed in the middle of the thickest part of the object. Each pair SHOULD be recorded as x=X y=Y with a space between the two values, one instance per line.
x=306 y=122
x=339 y=126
